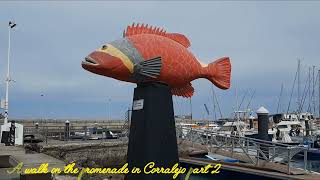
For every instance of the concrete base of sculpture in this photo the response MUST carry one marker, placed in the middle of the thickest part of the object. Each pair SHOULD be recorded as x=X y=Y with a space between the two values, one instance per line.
x=152 y=132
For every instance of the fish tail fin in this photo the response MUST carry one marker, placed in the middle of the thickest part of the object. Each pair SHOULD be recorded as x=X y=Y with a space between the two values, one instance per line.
x=219 y=73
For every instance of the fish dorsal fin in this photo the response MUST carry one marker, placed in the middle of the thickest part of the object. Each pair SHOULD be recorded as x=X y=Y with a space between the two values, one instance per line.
x=180 y=38
x=144 y=29
x=185 y=91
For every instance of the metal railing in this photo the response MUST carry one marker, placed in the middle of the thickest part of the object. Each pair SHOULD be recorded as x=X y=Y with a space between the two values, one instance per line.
x=126 y=125
x=75 y=132
x=254 y=151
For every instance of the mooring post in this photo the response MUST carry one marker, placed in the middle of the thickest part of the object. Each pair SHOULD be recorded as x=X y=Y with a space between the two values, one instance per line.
x=263 y=121
x=67 y=130
x=251 y=118
x=37 y=128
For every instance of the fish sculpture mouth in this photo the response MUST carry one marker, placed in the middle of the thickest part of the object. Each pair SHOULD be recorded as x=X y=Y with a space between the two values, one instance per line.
x=89 y=60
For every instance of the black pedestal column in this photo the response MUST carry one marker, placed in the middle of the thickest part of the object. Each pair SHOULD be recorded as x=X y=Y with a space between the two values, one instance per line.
x=152 y=132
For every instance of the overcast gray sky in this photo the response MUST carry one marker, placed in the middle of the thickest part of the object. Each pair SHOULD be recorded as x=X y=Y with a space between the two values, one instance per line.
x=263 y=40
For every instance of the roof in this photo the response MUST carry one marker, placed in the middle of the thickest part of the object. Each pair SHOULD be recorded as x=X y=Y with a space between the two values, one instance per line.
x=289 y=123
x=262 y=110
x=234 y=123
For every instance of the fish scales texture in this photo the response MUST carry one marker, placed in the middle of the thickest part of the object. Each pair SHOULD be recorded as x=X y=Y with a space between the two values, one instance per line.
x=171 y=62
x=179 y=65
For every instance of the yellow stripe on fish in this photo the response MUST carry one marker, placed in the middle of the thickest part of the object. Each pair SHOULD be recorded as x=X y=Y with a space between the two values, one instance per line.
x=111 y=50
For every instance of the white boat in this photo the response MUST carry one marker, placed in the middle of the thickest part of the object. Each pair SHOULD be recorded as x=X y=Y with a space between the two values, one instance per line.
x=292 y=127
x=235 y=128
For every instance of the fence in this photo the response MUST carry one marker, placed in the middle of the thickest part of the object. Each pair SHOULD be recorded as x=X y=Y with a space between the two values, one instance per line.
x=254 y=151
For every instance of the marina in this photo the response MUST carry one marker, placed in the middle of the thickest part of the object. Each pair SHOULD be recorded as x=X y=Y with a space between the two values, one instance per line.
x=159 y=90
x=200 y=146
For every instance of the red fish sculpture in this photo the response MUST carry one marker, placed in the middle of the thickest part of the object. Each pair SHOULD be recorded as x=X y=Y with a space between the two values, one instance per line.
x=147 y=54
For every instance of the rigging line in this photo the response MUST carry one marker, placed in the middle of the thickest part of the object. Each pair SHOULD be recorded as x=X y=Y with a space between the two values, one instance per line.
x=304 y=95
x=245 y=94
x=218 y=105
x=279 y=101
x=294 y=82
x=252 y=95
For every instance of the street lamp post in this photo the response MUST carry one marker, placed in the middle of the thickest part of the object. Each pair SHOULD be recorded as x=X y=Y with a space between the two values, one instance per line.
x=6 y=104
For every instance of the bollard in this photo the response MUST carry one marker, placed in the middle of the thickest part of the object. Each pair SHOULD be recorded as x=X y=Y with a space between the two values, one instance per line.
x=251 y=122
x=37 y=128
x=307 y=125
x=263 y=120
x=67 y=130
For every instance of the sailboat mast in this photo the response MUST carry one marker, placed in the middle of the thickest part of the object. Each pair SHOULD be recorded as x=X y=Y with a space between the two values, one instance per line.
x=319 y=91
x=214 y=104
x=313 y=99
x=299 y=88
x=309 y=91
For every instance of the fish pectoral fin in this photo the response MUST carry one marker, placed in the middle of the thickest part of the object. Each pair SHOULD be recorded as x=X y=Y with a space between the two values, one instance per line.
x=150 y=68
x=185 y=91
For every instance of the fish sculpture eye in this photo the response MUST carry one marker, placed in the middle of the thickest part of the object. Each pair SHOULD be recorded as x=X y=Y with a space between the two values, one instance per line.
x=104 y=47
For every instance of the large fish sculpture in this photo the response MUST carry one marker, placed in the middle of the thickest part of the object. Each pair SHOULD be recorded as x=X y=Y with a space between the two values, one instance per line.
x=147 y=54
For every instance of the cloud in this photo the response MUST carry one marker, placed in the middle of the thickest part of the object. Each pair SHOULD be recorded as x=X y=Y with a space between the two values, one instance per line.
x=263 y=39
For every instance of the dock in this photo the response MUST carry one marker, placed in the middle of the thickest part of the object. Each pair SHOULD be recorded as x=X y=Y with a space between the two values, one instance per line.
x=241 y=168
